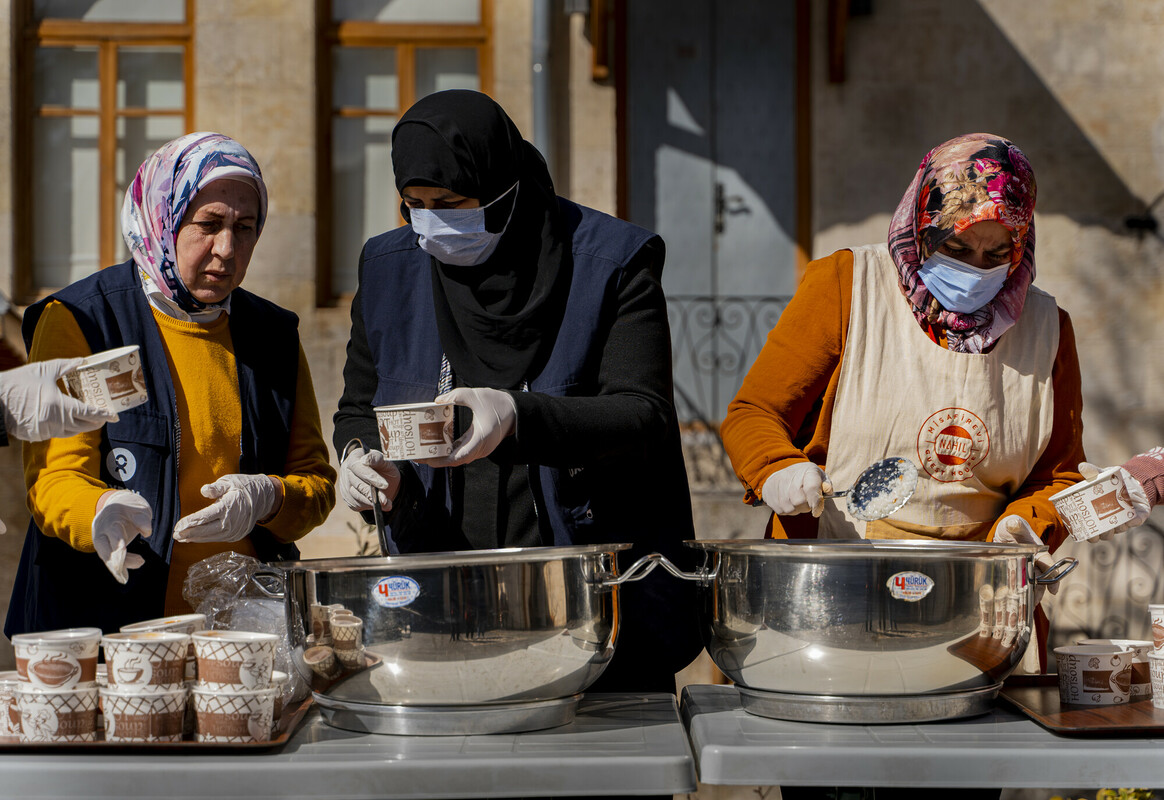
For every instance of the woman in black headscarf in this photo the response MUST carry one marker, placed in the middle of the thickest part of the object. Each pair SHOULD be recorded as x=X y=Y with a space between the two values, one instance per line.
x=545 y=323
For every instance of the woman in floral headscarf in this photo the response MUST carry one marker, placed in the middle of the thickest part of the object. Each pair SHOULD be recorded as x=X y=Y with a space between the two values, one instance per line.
x=936 y=348
x=227 y=453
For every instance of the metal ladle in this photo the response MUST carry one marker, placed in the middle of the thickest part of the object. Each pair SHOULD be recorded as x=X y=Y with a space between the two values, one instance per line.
x=883 y=488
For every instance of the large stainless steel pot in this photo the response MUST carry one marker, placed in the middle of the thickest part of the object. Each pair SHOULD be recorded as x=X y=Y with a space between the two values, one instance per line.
x=866 y=630
x=454 y=643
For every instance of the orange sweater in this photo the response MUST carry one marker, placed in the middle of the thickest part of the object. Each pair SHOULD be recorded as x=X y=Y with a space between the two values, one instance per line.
x=783 y=411
x=63 y=476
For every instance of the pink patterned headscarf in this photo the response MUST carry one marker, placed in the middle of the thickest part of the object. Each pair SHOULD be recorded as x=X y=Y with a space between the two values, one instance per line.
x=163 y=189
x=966 y=180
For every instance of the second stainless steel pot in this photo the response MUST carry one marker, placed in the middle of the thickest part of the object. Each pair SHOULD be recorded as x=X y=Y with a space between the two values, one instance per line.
x=868 y=630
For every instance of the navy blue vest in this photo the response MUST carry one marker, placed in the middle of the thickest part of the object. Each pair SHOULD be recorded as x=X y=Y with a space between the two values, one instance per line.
x=59 y=587
x=641 y=500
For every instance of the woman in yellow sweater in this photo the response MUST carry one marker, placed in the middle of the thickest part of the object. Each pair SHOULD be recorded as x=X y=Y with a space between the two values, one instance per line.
x=227 y=454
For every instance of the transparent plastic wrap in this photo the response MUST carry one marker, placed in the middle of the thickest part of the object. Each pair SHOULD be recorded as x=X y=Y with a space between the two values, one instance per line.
x=222 y=588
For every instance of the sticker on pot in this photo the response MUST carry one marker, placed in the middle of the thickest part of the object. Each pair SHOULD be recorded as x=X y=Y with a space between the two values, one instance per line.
x=396 y=591
x=910 y=586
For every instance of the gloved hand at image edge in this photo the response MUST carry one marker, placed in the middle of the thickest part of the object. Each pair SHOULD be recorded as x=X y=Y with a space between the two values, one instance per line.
x=1140 y=503
x=1013 y=529
x=494 y=418
x=122 y=516
x=240 y=502
x=363 y=475
x=36 y=409
x=796 y=489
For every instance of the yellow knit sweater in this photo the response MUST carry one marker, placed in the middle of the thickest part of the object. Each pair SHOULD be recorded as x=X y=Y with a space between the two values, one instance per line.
x=63 y=475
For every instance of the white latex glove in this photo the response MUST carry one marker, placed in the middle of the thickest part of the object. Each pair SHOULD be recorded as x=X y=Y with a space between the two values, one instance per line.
x=1139 y=499
x=124 y=516
x=240 y=501
x=1014 y=529
x=494 y=418
x=796 y=489
x=362 y=475
x=36 y=409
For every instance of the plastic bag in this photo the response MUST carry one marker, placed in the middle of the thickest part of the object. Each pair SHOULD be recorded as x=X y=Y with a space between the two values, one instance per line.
x=221 y=587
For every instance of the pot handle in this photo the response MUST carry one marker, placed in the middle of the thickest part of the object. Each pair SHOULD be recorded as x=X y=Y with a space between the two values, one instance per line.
x=1057 y=571
x=645 y=565
x=264 y=580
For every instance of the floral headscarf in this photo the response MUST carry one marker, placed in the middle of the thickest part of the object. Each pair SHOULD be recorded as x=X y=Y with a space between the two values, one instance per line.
x=966 y=180
x=162 y=190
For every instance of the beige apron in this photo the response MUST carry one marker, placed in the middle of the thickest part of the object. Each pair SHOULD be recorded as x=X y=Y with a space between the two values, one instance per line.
x=975 y=424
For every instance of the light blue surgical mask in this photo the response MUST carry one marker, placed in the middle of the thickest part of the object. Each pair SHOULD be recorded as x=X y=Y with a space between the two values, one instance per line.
x=457 y=235
x=958 y=286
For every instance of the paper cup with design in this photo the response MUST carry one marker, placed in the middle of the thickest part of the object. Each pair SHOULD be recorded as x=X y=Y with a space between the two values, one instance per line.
x=1094 y=675
x=112 y=379
x=347 y=635
x=1095 y=506
x=57 y=715
x=132 y=715
x=60 y=659
x=179 y=623
x=9 y=710
x=1156 y=671
x=1141 y=675
x=235 y=660
x=233 y=716
x=415 y=430
x=146 y=660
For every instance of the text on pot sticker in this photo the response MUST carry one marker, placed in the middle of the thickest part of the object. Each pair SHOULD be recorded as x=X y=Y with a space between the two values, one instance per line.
x=395 y=591
x=909 y=586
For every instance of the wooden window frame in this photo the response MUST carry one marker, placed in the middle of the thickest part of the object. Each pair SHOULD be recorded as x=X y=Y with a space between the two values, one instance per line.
x=107 y=38
x=406 y=38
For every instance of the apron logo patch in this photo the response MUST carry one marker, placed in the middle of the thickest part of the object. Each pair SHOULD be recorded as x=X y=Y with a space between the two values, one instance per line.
x=120 y=462
x=951 y=443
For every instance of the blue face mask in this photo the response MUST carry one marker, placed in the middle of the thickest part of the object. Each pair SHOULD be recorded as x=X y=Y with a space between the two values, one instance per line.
x=958 y=286
x=458 y=235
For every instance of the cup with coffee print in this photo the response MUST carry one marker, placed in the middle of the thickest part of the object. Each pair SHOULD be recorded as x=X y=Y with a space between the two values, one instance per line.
x=235 y=660
x=112 y=379
x=179 y=623
x=134 y=715
x=415 y=430
x=60 y=659
x=1156 y=613
x=1095 y=506
x=233 y=715
x=9 y=710
x=57 y=715
x=146 y=660
x=1141 y=675
x=1094 y=675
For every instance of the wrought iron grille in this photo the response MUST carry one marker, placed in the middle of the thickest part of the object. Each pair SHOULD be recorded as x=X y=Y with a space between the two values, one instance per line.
x=714 y=340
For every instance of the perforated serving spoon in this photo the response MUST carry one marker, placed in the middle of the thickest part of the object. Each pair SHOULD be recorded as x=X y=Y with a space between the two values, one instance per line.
x=881 y=489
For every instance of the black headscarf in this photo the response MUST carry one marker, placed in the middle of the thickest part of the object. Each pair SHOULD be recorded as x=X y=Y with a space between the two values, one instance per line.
x=498 y=320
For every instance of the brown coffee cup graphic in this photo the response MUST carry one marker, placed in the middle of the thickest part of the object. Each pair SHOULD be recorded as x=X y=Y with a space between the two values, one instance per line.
x=1158 y=635
x=54 y=671
x=1106 y=505
x=432 y=433
x=120 y=385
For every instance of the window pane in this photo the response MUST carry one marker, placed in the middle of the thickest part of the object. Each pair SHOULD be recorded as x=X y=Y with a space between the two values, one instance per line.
x=150 y=77
x=111 y=10
x=365 y=77
x=440 y=68
x=65 y=200
x=365 y=200
x=138 y=138
x=446 y=11
x=66 y=77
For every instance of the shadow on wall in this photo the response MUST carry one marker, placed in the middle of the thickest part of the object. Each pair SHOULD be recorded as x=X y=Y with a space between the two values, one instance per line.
x=920 y=74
